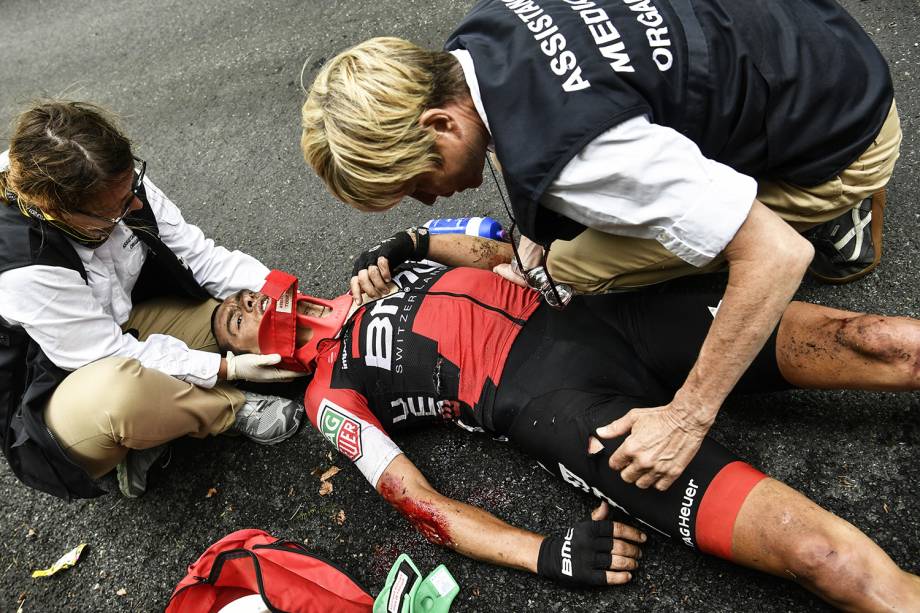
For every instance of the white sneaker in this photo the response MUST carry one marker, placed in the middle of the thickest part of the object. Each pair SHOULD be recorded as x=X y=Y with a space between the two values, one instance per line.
x=267 y=419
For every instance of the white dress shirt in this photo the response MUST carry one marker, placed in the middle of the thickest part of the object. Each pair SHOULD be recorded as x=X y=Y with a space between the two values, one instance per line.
x=644 y=180
x=76 y=322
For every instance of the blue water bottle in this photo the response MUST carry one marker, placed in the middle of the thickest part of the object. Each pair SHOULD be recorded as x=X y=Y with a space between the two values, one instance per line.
x=485 y=227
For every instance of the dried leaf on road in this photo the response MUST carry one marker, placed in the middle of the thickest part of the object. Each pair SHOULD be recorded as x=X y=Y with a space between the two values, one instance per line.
x=329 y=474
x=325 y=487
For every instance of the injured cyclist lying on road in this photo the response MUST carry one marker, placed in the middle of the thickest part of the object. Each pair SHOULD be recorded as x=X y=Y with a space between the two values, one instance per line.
x=465 y=345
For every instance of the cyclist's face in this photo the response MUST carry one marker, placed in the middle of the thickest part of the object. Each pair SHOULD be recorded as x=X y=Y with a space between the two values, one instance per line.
x=239 y=317
x=237 y=321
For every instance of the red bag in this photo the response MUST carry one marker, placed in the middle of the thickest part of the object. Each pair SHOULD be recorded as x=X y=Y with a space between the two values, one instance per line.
x=289 y=579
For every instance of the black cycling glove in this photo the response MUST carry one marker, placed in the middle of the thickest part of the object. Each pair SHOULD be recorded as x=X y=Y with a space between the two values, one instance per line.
x=397 y=249
x=580 y=556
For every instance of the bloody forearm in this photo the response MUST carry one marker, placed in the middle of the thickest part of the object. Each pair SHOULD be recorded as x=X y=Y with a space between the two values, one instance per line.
x=462 y=527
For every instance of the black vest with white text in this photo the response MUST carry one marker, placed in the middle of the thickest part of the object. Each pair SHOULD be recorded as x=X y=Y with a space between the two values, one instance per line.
x=787 y=89
x=28 y=377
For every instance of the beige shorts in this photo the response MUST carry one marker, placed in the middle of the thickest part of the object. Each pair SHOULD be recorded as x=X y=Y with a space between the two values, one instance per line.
x=112 y=405
x=597 y=262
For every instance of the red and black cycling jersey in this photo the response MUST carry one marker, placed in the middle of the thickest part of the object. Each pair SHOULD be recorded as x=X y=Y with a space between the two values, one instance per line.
x=434 y=350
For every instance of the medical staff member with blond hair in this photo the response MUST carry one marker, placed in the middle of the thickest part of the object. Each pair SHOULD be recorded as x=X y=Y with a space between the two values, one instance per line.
x=639 y=140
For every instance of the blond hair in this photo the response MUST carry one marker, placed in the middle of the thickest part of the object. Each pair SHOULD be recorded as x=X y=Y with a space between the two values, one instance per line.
x=361 y=131
x=62 y=156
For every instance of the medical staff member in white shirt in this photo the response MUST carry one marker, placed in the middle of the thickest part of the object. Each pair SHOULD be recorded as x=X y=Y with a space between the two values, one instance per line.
x=639 y=141
x=106 y=296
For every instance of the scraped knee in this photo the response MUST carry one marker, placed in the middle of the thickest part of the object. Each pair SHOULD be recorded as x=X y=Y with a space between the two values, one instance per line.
x=893 y=341
x=831 y=566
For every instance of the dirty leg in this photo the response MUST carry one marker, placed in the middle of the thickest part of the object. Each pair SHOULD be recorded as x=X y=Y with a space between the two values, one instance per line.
x=820 y=347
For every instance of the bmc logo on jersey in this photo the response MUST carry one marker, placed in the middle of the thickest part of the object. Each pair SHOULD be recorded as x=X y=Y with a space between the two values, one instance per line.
x=342 y=431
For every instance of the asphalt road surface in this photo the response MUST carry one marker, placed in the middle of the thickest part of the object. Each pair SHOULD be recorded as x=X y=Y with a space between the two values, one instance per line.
x=210 y=92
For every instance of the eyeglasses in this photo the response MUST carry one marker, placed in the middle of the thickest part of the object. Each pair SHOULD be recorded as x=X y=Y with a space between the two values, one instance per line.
x=136 y=186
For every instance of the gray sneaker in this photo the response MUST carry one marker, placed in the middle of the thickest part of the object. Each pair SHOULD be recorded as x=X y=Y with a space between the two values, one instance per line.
x=267 y=419
x=132 y=471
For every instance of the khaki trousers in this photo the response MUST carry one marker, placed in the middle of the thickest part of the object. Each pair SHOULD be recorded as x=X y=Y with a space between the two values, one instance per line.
x=104 y=409
x=596 y=262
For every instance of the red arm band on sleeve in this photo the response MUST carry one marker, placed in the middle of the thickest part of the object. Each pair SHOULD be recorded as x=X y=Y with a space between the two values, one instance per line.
x=715 y=519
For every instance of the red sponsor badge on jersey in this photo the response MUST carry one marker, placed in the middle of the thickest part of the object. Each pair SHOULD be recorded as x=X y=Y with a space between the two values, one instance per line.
x=342 y=431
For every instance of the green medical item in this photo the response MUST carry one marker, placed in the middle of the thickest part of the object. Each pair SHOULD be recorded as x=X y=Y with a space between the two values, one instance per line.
x=406 y=592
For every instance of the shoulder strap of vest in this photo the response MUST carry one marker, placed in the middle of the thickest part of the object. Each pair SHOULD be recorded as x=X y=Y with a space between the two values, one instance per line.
x=163 y=272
